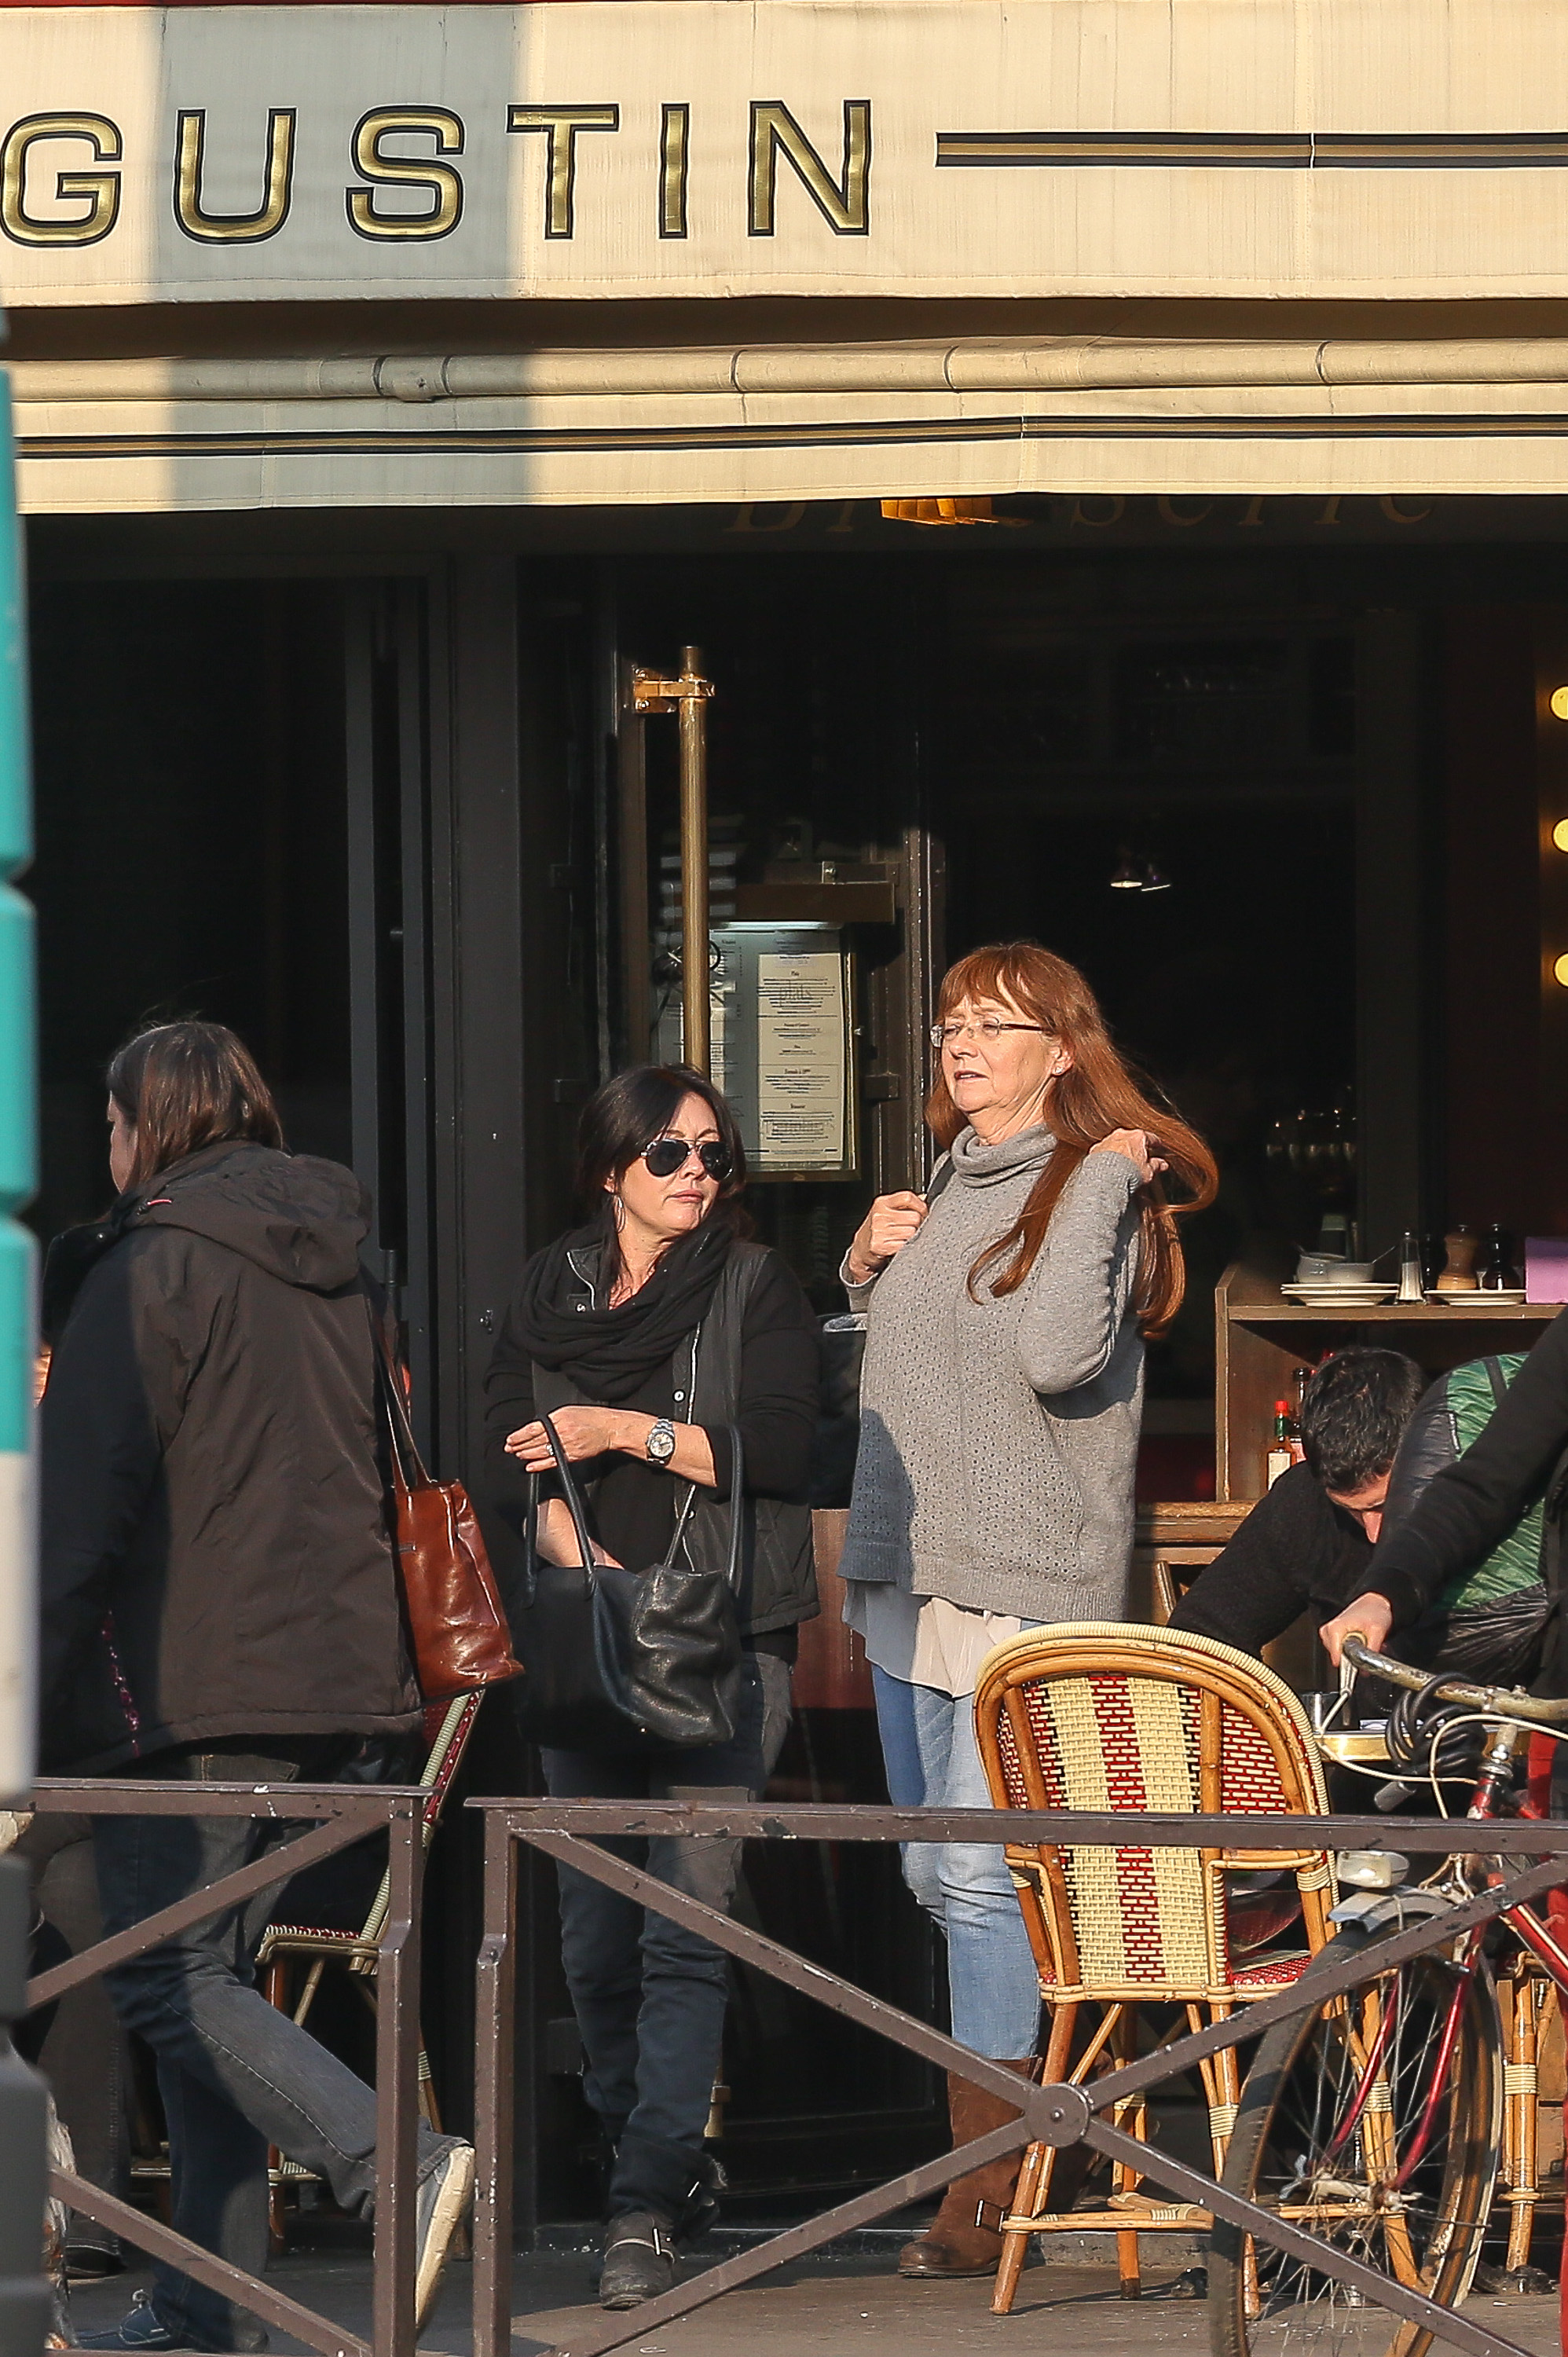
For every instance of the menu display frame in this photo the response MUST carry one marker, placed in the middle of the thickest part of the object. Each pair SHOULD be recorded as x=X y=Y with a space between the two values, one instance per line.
x=783 y=1015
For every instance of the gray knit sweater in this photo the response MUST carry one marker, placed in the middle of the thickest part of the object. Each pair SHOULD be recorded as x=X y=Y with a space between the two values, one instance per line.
x=997 y=1437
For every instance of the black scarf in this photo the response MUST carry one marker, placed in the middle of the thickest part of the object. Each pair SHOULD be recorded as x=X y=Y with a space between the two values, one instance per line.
x=610 y=1353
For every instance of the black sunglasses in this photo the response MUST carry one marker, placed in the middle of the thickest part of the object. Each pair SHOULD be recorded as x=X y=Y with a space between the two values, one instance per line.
x=665 y=1156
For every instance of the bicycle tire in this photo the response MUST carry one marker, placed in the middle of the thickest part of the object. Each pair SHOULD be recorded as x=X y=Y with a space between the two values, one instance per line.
x=1296 y=2097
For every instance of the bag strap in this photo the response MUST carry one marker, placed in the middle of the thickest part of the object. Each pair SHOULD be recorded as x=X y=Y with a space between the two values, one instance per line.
x=1497 y=1381
x=404 y=1447
x=941 y=1179
x=580 y=1522
x=573 y=1494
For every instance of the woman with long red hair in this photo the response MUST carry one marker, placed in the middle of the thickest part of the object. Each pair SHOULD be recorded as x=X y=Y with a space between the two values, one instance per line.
x=1001 y=1399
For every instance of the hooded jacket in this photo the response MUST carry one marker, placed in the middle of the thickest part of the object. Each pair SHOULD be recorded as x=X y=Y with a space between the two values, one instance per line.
x=216 y=1555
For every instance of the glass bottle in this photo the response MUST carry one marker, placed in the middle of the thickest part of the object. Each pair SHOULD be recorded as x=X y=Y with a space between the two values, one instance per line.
x=1282 y=1455
x=1495 y=1269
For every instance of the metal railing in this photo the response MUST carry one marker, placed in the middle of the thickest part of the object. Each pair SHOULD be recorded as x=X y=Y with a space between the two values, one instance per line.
x=1058 y=2114
x=346 y=1814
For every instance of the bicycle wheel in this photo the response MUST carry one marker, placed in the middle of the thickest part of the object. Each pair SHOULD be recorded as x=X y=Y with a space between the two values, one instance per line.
x=1339 y=2131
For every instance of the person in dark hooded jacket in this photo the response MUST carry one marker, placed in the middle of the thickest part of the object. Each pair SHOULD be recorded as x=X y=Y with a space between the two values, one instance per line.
x=220 y=1603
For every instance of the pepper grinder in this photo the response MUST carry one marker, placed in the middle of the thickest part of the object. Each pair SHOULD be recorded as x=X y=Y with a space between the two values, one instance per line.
x=1459 y=1269
x=1410 y=1285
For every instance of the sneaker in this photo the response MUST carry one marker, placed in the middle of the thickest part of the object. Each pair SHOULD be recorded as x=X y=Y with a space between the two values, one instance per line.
x=639 y=2259
x=443 y=2199
x=142 y=2328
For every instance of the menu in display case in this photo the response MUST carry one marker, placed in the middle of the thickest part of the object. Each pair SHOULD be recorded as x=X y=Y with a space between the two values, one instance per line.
x=782 y=1038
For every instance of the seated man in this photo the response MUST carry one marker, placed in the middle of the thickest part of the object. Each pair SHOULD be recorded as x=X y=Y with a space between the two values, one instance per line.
x=1306 y=1545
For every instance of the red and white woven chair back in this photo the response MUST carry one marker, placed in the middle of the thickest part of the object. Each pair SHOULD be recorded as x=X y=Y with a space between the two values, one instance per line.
x=1110 y=1717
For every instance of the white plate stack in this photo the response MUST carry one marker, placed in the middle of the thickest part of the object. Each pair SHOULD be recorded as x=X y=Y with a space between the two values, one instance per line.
x=1328 y=1293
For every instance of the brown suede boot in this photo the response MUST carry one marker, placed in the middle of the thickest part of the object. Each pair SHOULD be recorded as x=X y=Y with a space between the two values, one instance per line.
x=955 y=2244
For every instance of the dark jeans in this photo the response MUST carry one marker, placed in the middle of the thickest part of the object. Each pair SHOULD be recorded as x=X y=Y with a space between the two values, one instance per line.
x=235 y=2074
x=83 y=2055
x=650 y=1997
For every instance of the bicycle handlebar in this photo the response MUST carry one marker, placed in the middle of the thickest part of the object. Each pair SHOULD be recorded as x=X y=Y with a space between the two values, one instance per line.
x=1501 y=1702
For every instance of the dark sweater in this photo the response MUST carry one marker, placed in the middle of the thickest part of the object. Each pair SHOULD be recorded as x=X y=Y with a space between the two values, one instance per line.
x=1473 y=1503
x=1295 y=1552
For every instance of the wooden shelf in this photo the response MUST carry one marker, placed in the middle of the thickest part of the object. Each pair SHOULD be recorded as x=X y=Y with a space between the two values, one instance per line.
x=1397 y=1313
x=1260 y=1340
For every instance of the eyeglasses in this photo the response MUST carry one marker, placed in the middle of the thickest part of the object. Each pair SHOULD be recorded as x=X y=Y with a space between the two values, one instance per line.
x=989 y=1028
x=665 y=1156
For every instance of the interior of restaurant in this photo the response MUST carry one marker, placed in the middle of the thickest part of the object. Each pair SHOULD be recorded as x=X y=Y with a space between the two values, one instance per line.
x=1279 y=776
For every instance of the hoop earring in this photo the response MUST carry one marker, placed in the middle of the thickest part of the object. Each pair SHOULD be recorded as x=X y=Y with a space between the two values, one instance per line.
x=618 y=1209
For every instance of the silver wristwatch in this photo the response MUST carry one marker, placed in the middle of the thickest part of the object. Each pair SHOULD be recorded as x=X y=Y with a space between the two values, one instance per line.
x=660 y=1441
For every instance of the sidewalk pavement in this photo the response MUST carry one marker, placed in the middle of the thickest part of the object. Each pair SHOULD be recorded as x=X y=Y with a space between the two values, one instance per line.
x=834 y=2306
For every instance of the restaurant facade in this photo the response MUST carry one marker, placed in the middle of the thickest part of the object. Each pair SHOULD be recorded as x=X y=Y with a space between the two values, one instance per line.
x=1112 y=466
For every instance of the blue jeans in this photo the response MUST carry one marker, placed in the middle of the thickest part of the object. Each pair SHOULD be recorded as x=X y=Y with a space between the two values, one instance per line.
x=933 y=1762
x=235 y=2074
x=650 y=1996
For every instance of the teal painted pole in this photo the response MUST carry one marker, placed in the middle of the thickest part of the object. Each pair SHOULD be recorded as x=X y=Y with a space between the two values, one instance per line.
x=18 y=1166
x=25 y=2298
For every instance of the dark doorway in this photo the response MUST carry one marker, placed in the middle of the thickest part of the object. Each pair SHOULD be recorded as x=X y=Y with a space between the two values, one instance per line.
x=192 y=848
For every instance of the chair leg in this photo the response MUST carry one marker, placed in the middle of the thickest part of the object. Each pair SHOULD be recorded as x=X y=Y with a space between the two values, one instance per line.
x=277 y=1993
x=428 y=2104
x=1125 y=2179
x=1033 y=2186
x=1521 y=2128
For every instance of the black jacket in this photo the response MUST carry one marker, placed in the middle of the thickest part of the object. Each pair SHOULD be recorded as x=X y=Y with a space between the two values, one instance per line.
x=758 y=1365
x=1471 y=1504
x=216 y=1557
x=1295 y=1552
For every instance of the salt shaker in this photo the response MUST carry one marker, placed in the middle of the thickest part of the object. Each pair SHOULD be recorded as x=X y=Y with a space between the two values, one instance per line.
x=1411 y=1288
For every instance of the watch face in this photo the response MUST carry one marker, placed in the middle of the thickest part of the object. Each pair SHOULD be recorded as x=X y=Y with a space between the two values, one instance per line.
x=662 y=1442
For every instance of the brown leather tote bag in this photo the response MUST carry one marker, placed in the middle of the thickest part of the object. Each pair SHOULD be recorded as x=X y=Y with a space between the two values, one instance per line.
x=456 y=1626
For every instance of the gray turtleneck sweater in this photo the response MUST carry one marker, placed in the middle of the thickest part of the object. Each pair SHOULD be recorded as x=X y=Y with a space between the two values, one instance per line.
x=998 y=1437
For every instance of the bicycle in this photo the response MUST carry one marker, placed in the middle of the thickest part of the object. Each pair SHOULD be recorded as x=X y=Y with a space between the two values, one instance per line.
x=1374 y=2119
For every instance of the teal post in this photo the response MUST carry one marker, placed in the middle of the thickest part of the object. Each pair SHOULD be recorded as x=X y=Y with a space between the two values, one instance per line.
x=23 y=2294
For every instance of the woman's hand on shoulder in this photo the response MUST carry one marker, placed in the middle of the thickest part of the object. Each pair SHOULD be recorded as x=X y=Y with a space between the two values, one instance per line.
x=887 y=1227
x=582 y=1431
x=1140 y=1150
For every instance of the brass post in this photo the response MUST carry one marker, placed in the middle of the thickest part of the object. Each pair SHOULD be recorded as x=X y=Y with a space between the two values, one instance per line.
x=688 y=696
x=694 y=1002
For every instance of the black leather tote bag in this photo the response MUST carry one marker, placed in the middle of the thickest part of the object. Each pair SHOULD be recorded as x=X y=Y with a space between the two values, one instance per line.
x=619 y=1659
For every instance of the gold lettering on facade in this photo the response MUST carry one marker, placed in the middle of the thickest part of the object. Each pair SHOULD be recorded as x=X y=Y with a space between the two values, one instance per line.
x=789 y=515
x=846 y=203
x=1168 y=512
x=443 y=183
x=561 y=126
x=232 y=229
x=1254 y=514
x=1396 y=514
x=1330 y=510
x=674 y=141
x=100 y=191
x=1114 y=500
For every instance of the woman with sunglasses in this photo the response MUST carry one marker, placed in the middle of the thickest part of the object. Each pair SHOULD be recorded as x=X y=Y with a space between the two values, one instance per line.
x=1001 y=1398
x=645 y=1336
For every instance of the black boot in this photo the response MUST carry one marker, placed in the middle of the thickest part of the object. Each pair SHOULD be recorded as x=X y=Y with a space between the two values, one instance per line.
x=639 y=2259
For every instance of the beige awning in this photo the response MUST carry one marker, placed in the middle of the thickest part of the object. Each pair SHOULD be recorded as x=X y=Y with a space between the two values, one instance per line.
x=721 y=423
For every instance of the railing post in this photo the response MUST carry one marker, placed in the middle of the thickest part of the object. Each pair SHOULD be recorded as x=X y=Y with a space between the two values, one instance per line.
x=495 y=2021
x=397 y=2086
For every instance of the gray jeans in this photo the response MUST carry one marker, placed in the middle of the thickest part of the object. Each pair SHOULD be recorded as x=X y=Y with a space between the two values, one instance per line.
x=650 y=1997
x=235 y=2074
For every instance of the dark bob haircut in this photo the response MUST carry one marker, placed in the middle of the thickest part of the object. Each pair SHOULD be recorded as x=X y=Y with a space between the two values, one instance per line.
x=629 y=1112
x=1353 y=1413
x=187 y=1085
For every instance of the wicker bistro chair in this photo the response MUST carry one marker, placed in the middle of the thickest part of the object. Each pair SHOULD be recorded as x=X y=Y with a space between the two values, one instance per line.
x=287 y=1946
x=1107 y=1715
